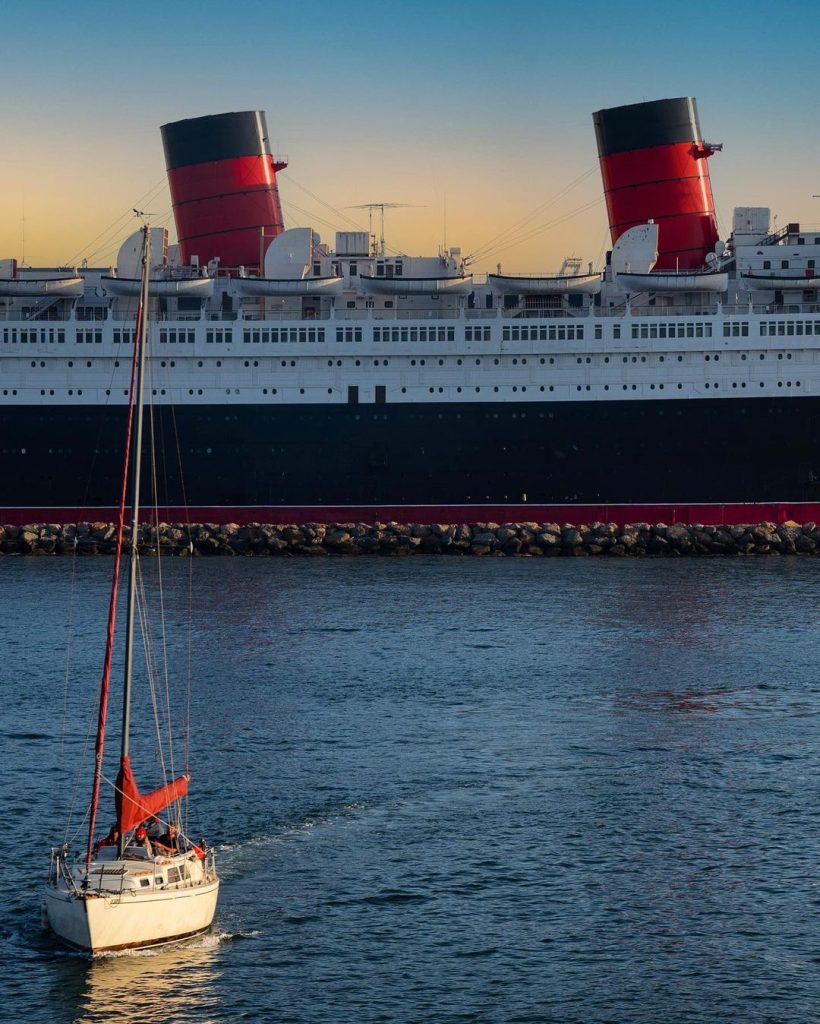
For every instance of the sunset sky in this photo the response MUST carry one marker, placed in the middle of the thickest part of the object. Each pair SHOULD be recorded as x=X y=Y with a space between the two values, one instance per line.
x=476 y=114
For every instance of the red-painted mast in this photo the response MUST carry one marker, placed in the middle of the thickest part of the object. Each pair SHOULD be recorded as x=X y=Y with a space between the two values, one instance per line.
x=137 y=366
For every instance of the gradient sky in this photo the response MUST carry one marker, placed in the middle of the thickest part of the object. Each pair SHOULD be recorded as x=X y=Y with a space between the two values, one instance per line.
x=482 y=109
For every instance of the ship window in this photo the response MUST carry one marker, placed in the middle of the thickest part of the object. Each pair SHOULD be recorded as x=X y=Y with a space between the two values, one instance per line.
x=354 y=269
x=599 y=332
x=352 y=394
x=616 y=330
x=317 y=269
x=414 y=334
x=784 y=264
x=399 y=270
x=767 y=264
x=303 y=334
x=505 y=334
x=451 y=334
x=404 y=334
x=381 y=394
x=810 y=264
x=379 y=270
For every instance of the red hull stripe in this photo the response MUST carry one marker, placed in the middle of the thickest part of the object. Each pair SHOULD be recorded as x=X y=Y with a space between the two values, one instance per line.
x=708 y=514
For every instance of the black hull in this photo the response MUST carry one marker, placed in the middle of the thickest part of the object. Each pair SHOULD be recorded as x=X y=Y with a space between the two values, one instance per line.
x=573 y=453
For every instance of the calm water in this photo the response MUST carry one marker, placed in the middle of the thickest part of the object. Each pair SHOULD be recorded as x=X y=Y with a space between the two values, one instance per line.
x=448 y=790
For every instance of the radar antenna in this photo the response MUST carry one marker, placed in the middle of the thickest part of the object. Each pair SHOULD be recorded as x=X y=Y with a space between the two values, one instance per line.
x=381 y=207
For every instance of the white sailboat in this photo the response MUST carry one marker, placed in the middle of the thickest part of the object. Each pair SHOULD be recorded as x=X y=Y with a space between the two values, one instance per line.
x=125 y=892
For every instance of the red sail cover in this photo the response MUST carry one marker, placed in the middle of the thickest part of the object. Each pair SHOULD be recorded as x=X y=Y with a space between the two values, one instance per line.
x=133 y=807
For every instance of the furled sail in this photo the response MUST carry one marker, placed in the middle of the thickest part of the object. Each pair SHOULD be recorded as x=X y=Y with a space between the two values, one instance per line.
x=134 y=807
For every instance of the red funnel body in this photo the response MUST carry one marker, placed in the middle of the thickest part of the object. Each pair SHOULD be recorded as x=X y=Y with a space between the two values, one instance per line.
x=223 y=186
x=653 y=164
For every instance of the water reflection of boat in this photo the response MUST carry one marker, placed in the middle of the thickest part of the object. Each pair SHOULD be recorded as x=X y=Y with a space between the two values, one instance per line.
x=152 y=987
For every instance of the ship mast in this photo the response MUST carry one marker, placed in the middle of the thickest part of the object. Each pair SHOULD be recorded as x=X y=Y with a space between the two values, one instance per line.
x=136 y=371
x=136 y=465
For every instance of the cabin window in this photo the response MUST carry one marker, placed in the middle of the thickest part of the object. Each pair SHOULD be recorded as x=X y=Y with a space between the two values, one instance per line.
x=381 y=394
x=399 y=270
x=354 y=269
x=317 y=269
x=767 y=264
x=352 y=394
x=379 y=270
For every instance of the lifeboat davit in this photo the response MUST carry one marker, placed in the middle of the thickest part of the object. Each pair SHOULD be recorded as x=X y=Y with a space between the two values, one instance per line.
x=42 y=288
x=460 y=285
x=291 y=286
x=568 y=284
x=167 y=287
x=706 y=281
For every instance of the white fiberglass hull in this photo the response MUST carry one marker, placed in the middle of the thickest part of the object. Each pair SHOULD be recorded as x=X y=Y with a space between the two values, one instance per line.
x=104 y=923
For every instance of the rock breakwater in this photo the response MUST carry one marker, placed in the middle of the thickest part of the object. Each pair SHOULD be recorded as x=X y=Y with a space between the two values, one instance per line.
x=474 y=539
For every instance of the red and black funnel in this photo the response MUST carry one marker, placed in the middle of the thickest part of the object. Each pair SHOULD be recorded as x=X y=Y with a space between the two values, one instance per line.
x=653 y=164
x=223 y=186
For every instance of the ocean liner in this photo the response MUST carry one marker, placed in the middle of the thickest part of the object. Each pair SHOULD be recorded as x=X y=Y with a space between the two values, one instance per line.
x=300 y=382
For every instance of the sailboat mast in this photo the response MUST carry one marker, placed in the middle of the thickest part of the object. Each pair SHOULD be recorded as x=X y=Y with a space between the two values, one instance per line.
x=136 y=466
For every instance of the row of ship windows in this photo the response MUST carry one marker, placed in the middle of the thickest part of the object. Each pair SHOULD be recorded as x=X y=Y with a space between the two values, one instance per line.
x=684 y=330
x=550 y=332
x=414 y=334
x=773 y=328
x=497 y=361
x=459 y=390
x=645 y=331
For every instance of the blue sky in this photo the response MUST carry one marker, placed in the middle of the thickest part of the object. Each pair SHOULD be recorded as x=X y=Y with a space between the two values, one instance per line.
x=482 y=107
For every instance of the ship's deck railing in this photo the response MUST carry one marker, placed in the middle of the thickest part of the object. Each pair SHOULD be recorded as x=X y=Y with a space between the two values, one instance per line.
x=376 y=315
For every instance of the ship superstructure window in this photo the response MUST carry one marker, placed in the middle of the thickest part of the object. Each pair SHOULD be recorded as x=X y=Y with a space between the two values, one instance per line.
x=477 y=333
x=274 y=335
x=348 y=334
x=174 y=336
x=123 y=336
x=681 y=330
x=419 y=333
x=553 y=332
x=773 y=328
x=736 y=329
x=218 y=336
x=84 y=335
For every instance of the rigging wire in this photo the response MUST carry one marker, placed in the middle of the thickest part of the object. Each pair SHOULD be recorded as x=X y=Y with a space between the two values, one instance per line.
x=501 y=238
x=160 y=587
x=115 y=225
x=526 y=236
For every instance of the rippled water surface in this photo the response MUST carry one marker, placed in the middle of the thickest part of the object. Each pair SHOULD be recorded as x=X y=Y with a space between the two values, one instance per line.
x=445 y=790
